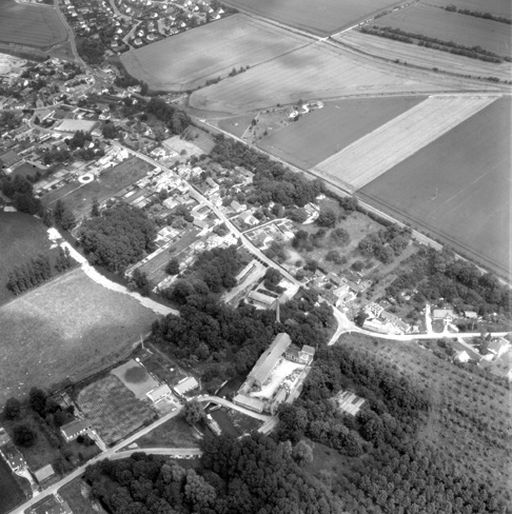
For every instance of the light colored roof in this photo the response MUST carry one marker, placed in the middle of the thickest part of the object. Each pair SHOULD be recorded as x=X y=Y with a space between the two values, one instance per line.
x=269 y=357
x=308 y=349
x=159 y=392
x=74 y=428
x=44 y=472
x=186 y=385
x=72 y=125
x=251 y=403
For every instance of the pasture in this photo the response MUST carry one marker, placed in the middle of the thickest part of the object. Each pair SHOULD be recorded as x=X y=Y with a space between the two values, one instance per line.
x=68 y=327
x=458 y=188
x=422 y=56
x=320 y=71
x=372 y=155
x=435 y=22
x=470 y=413
x=110 y=182
x=322 y=17
x=32 y=25
x=22 y=237
x=187 y=60
x=321 y=133
x=112 y=409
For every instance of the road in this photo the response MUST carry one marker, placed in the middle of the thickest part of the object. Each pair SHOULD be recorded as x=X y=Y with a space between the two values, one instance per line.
x=230 y=405
x=104 y=455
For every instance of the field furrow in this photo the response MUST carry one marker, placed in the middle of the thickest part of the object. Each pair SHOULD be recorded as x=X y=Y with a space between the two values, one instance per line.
x=372 y=155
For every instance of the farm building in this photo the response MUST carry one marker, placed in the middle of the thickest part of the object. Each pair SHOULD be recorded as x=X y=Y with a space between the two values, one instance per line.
x=185 y=385
x=268 y=359
x=45 y=473
x=248 y=402
x=73 y=429
x=72 y=125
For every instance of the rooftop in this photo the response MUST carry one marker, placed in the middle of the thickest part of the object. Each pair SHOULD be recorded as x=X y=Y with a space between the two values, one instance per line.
x=268 y=359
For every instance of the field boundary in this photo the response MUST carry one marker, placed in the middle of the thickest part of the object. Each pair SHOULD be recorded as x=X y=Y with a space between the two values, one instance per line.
x=374 y=154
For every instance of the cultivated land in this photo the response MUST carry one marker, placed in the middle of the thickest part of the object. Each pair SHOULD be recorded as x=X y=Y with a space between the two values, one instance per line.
x=458 y=188
x=69 y=327
x=112 y=409
x=109 y=183
x=319 y=134
x=37 y=26
x=321 y=17
x=209 y=51
x=318 y=71
x=21 y=237
x=470 y=415
x=380 y=150
x=449 y=26
x=423 y=57
x=496 y=7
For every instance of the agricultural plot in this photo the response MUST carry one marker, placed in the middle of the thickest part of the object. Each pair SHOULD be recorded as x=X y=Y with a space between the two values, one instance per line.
x=22 y=237
x=112 y=409
x=372 y=155
x=319 y=71
x=69 y=327
x=208 y=52
x=319 y=134
x=470 y=414
x=495 y=7
x=435 y=22
x=458 y=188
x=422 y=56
x=110 y=182
x=321 y=17
x=31 y=25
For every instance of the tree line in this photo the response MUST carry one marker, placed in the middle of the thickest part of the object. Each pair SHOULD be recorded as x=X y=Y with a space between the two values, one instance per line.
x=38 y=270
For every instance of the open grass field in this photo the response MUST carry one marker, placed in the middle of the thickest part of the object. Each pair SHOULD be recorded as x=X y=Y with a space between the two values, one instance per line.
x=423 y=57
x=10 y=493
x=319 y=71
x=78 y=495
x=21 y=237
x=112 y=409
x=108 y=184
x=175 y=433
x=69 y=327
x=372 y=155
x=320 y=134
x=470 y=414
x=321 y=17
x=207 y=52
x=32 y=25
x=447 y=26
x=458 y=188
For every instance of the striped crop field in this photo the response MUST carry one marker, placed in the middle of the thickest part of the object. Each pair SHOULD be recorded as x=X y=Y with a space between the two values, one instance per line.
x=372 y=155
x=318 y=71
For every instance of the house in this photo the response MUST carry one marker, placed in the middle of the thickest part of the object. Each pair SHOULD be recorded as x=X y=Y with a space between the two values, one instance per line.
x=268 y=359
x=45 y=473
x=160 y=393
x=70 y=431
x=304 y=356
x=462 y=356
x=185 y=385
x=496 y=348
x=444 y=314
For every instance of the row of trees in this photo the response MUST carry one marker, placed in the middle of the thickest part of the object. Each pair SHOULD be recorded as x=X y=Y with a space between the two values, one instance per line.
x=38 y=270
x=272 y=181
x=251 y=475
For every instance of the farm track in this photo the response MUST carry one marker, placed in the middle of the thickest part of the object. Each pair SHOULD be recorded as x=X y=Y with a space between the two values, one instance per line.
x=372 y=155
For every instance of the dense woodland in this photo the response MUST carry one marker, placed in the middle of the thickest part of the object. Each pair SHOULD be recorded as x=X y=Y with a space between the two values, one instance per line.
x=272 y=181
x=437 y=275
x=21 y=192
x=175 y=119
x=226 y=341
x=118 y=237
x=254 y=475
x=393 y=471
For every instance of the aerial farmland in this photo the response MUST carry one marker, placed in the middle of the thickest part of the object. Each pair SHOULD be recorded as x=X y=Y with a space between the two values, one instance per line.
x=322 y=17
x=457 y=188
x=209 y=52
x=317 y=71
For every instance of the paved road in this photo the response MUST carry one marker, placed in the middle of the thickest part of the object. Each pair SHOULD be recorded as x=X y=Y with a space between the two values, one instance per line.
x=231 y=405
x=104 y=455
